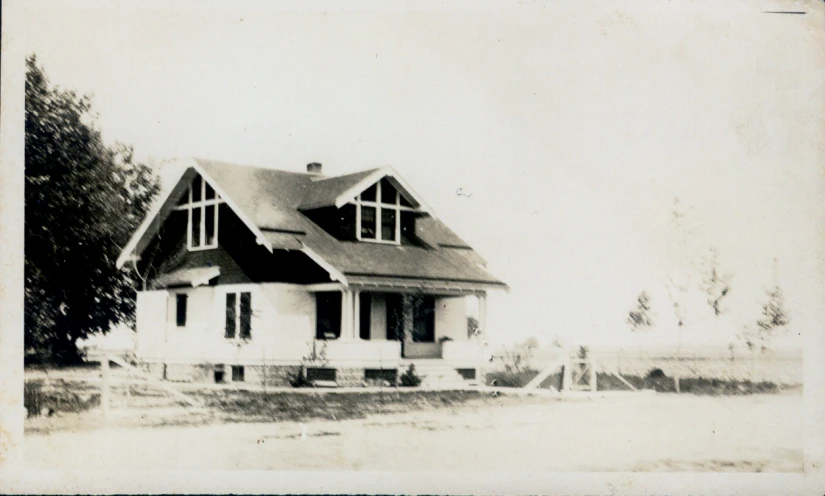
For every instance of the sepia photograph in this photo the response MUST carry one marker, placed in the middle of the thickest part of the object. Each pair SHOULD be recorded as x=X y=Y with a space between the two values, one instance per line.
x=459 y=238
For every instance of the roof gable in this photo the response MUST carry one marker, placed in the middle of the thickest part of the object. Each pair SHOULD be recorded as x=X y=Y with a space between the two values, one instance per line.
x=323 y=192
x=161 y=210
x=269 y=201
x=340 y=190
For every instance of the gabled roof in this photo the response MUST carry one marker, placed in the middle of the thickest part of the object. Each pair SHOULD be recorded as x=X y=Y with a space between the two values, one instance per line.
x=269 y=202
x=324 y=191
x=338 y=190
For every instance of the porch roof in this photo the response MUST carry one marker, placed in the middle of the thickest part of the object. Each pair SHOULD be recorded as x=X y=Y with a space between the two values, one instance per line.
x=417 y=284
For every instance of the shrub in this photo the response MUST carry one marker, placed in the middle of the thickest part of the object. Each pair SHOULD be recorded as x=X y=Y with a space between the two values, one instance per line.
x=298 y=380
x=410 y=378
x=656 y=374
x=33 y=398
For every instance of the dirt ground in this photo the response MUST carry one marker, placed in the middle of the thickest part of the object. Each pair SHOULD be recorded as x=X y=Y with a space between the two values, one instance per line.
x=633 y=432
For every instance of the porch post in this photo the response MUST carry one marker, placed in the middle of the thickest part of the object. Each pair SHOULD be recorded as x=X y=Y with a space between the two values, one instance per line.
x=482 y=337
x=482 y=317
x=346 y=314
x=356 y=314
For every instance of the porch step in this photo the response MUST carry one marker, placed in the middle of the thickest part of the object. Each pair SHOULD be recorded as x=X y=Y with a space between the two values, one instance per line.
x=436 y=374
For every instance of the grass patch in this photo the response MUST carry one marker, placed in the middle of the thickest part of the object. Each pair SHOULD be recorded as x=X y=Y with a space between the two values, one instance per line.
x=257 y=406
x=59 y=396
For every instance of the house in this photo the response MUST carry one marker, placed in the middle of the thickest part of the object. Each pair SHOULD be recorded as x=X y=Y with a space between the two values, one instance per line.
x=252 y=274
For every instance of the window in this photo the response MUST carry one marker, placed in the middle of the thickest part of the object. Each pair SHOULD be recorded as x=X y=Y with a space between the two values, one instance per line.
x=201 y=203
x=380 y=375
x=367 y=222
x=237 y=373
x=378 y=213
x=327 y=315
x=238 y=315
x=320 y=374
x=180 y=309
x=219 y=374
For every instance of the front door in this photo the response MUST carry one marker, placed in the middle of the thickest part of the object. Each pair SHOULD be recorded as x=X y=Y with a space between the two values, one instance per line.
x=419 y=340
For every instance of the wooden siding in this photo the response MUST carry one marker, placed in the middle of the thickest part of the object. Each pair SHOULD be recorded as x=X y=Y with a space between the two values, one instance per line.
x=238 y=255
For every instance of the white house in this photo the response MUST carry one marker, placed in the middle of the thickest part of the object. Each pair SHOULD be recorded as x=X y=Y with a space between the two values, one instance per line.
x=246 y=270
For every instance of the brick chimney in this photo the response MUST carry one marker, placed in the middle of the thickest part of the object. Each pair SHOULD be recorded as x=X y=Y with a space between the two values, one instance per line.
x=314 y=168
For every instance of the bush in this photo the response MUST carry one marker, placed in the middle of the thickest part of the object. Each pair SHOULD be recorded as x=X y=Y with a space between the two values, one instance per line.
x=656 y=374
x=33 y=398
x=410 y=378
x=299 y=380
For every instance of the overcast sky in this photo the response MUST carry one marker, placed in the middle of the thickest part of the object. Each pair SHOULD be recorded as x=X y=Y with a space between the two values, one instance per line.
x=571 y=127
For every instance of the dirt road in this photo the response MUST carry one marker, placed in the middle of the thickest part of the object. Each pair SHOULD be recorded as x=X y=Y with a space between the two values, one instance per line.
x=641 y=432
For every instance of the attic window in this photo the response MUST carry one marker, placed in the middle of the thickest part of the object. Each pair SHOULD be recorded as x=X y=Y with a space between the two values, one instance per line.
x=201 y=203
x=378 y=213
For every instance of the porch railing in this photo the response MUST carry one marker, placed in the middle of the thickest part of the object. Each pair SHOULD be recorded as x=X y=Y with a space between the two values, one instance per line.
x=358 y=350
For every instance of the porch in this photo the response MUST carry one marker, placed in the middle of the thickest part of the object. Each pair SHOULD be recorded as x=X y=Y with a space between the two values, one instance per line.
x=384 y=326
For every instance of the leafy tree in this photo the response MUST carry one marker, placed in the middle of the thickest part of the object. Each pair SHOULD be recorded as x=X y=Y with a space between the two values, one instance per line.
x=773 y=320
x=83 y=200
x=715 y=283
x=639 y=318
x=774 y=315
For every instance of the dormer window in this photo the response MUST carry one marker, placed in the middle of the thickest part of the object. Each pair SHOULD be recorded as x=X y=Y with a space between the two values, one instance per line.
x=378 y=213
x=201 y=204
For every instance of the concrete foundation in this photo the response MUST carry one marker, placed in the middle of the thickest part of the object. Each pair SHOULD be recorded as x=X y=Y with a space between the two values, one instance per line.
x=258 y=375
x=270 y=375
x=349 y=377
x=189 y=373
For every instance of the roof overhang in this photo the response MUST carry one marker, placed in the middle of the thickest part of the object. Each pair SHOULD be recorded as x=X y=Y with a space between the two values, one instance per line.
x=394 y=178
x=283 y=240
x=195 y=277
x=415 y=285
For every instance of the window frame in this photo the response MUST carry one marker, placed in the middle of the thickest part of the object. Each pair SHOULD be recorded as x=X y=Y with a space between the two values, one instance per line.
x=238 y=317
x=237 y=373
x=201 y=205
x=181 y=297
x=378 y=204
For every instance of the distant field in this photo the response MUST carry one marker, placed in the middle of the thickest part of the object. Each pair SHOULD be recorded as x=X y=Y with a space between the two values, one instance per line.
x=781 y=367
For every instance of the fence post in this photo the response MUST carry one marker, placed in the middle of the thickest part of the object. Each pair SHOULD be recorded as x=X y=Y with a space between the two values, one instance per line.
x=566 y=376
x=104 y=392
x=592 y=374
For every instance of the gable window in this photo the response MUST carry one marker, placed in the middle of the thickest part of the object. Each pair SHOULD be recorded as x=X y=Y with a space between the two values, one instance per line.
x=238 y=315
x=180 y=309
x=201 y=203
x=378 y=213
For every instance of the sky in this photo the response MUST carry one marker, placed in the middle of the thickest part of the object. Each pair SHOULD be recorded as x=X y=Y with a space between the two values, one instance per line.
x=569 y=128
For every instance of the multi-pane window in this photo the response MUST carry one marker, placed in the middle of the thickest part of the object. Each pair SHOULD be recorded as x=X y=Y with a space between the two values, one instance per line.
x=378 y=213
x=238 y=315
x=237 y=373
x=201 y=203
